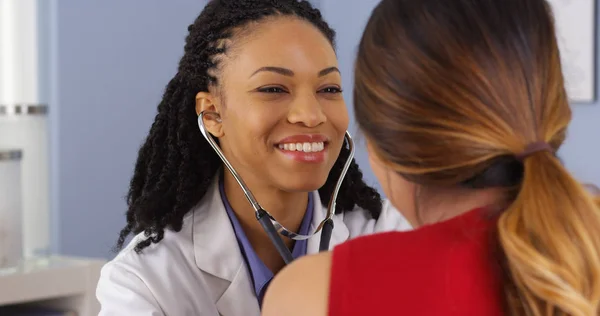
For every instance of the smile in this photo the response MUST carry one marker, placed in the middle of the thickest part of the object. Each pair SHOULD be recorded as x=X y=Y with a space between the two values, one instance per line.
x=303 y=147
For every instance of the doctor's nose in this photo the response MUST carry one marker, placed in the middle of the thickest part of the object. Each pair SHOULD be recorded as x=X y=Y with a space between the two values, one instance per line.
x=307 y=111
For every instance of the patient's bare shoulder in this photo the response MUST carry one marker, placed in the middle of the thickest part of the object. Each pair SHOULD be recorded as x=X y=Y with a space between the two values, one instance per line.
x=302 y=288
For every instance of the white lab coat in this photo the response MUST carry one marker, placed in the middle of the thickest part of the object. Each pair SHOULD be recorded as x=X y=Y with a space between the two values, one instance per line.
x=200 y=270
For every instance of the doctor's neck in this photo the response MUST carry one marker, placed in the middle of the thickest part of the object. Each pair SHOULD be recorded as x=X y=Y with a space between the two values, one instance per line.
x=287 y=207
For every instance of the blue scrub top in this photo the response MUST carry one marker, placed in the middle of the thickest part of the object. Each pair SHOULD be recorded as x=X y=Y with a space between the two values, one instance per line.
x=261 y=275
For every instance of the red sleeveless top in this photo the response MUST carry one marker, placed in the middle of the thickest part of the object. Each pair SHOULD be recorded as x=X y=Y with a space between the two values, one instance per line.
x=446 y=269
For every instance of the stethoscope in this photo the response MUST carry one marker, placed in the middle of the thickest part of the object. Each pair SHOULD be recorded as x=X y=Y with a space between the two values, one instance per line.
x=271 y=226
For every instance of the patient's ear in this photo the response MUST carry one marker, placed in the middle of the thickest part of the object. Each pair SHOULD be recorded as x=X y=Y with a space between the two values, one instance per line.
x=205 y=102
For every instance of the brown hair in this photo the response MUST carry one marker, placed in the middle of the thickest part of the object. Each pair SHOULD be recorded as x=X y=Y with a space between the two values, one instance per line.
x=449 y=93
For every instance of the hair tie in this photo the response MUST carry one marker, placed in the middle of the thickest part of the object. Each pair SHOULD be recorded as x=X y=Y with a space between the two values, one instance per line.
x=533 y=148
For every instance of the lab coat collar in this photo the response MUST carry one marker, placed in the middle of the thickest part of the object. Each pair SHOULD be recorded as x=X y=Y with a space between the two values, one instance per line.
x=217 y=252
x=215 y=247
x=239 y=297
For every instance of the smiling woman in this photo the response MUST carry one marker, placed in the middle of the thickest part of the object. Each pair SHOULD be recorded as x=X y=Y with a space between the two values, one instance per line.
x=270 y=95
x=270 y=72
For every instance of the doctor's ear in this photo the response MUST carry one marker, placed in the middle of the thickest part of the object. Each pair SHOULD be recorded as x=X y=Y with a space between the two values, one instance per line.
x=205 y=102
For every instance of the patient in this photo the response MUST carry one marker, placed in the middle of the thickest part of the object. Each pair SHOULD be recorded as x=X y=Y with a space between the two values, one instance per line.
x=463 y=106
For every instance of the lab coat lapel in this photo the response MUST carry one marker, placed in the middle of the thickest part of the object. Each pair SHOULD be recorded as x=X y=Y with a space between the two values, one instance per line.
x=340 y=230
x=238 y=299
x=217 y=253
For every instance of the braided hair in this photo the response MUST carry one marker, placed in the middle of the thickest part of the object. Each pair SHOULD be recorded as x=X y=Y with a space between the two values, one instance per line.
x=176 y=165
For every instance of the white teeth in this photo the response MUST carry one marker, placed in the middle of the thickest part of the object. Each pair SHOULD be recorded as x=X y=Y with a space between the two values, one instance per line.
x=304 y=147
x=315 y=147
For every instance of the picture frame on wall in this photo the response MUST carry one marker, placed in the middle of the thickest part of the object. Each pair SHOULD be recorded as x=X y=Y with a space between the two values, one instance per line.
x=576 y=33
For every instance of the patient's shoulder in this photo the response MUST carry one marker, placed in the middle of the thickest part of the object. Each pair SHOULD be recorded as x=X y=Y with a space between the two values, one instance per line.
x=309 y=276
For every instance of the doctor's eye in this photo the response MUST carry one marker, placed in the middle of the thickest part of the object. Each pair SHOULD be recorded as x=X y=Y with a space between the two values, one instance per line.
x=271 y=89
x=331 y=90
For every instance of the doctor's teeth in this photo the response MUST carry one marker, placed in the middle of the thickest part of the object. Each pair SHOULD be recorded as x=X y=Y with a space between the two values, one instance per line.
x=304 y=147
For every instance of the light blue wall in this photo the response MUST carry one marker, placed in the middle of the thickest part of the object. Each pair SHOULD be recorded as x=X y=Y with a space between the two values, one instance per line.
x=581 y=152
x=348 y=18
x=112 y=61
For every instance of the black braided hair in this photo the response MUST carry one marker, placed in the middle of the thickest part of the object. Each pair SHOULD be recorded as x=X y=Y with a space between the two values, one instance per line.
x=176 y=165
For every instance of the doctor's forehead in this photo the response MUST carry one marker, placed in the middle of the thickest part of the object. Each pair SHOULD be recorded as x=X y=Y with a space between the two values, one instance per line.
x=286 y=42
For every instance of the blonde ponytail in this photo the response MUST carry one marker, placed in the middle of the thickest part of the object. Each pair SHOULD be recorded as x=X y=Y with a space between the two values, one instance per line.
x=550 y=236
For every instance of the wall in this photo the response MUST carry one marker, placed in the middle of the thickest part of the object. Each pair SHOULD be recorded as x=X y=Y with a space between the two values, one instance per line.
x=580 y=152
x=349 y=23
x=113 y=60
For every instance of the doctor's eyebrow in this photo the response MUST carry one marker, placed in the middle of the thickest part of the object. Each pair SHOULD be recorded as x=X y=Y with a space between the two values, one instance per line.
x=289 y=73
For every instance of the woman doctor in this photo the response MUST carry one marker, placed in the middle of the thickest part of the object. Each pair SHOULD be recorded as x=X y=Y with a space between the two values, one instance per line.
x=269 y=69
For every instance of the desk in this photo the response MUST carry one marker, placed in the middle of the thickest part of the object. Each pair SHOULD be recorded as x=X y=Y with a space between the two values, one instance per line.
x=57 y=282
